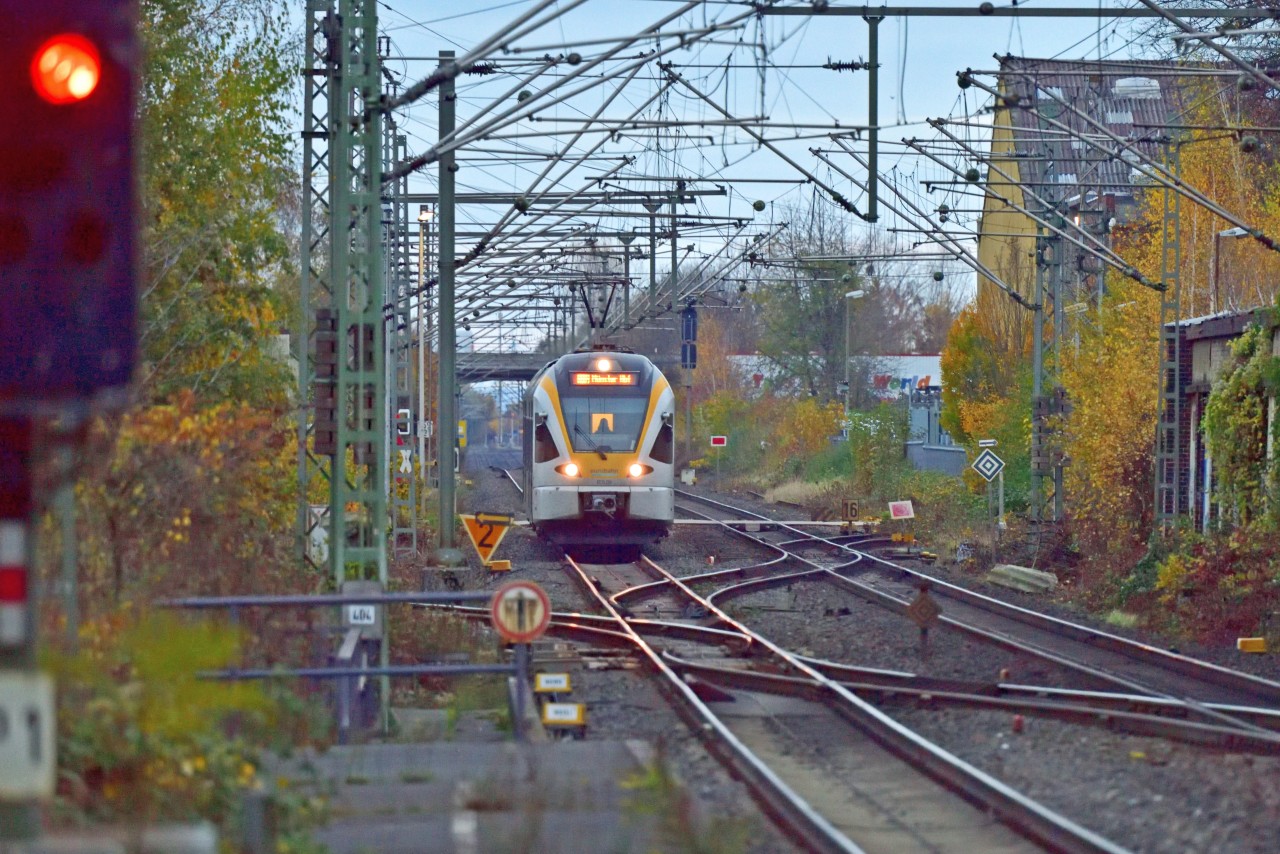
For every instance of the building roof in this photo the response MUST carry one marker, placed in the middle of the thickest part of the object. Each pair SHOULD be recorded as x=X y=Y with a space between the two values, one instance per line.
x=1134 y=100
x=1223 y=324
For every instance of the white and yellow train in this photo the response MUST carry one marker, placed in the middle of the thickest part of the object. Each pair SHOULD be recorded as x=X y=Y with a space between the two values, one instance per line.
x=599 y=450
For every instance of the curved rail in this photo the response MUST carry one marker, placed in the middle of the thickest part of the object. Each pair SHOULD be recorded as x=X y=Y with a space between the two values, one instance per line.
x=1138 y=714
x=1015 y=809
x=509 y=476
x=810 y=828
x=1247 y=686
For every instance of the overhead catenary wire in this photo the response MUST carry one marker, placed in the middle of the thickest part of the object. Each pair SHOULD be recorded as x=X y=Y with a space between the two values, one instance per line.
x=1231 y=56
x=934 y=232
x=1080 y=237
x=1153 y=170
x=454 y=140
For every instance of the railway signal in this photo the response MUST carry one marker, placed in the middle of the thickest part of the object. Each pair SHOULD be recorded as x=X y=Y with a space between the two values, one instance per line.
x=68 y=264
x=67 y=198
x=988 y=465
x=486 y=531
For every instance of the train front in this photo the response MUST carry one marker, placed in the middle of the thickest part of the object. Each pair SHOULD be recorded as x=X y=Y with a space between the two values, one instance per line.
x=601 y=461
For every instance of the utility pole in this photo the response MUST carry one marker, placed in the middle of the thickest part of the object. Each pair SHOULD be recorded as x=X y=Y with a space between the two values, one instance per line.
x=653 y=208
x=848 y=334
x=873 y=114
x=315 y=338
x=626 y=238
x=1169 y=480
x=399 y=337
x=675 y=200
x=447 y=429
x=1039 y=449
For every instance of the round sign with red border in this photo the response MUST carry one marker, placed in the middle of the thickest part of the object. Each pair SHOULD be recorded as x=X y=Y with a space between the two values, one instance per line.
x=520 y=611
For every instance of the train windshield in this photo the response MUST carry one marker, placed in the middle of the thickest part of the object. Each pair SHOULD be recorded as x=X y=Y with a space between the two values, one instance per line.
x=610 y=424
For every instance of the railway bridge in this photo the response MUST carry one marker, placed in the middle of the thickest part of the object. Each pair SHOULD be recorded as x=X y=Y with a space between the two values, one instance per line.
x=478 y=367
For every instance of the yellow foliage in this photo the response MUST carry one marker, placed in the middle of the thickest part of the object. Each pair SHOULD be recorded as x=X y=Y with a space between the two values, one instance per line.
x=192 y=499
x=140 y=733
x=1172 y=573
x=1111 y=381
x=805 y=426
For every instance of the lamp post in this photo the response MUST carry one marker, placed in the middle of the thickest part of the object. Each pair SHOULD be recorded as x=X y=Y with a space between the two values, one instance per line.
x=1217 y=264
x=849 y=295
x=424 y=344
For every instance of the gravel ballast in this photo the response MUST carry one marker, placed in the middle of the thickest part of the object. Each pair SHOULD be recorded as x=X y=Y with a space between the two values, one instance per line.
x=1142 y=793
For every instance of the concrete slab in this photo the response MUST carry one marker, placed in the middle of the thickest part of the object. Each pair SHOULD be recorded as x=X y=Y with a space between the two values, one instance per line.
x=195 y=838
x=478 y=797
x=1022 y=578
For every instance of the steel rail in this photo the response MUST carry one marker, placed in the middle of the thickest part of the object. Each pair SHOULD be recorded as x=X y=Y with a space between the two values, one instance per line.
x=1111 y=717
x=1015 y=809
x=777 y=798
x=890 y=683
x=509 y=476
x=1266 y=718
x=1243 y=683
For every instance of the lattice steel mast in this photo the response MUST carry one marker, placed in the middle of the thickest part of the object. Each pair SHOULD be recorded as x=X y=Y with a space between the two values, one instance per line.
x=342 y=172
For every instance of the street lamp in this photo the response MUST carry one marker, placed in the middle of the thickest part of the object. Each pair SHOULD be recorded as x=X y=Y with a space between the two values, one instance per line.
x=849 y=295
x=424 y=343
x=1217 y=251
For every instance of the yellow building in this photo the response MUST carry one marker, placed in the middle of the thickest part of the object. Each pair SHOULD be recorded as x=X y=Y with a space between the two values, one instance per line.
x=1066 y=140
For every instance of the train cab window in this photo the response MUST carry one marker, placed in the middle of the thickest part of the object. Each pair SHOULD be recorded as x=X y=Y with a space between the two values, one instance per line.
x=611 y=424
x=544 y=446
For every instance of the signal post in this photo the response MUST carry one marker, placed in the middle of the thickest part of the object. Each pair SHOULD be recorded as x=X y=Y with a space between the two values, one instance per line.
x=67 y=312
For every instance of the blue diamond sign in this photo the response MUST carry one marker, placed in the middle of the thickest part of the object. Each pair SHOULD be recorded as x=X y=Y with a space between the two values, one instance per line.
x=988 y=465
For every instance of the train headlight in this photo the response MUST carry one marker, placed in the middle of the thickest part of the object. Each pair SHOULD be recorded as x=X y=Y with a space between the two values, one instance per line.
x=569 y=469
x=639 y=470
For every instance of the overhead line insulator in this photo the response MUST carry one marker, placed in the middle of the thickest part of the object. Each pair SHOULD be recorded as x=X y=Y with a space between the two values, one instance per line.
x=847 y=65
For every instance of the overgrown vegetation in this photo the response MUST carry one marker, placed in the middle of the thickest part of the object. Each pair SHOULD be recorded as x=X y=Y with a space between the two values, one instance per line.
x=1209 y=585
x=1225 y=583
x=792 y=448
x=141 y=738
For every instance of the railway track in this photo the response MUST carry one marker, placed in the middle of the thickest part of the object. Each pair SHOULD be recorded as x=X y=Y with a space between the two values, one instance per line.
x=1138 y=709
x=1215 y=693
x=884 y=787
x=774 y=703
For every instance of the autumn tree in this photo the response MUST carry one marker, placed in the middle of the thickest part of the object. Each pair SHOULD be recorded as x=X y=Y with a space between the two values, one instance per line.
x=220 y=197
x=197 y=467
x=1110 y=379
x=806 y=321
x=1111 y=373
x=722 y=334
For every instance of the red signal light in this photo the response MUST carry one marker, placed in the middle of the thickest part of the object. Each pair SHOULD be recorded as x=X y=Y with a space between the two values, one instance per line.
x=66 y=69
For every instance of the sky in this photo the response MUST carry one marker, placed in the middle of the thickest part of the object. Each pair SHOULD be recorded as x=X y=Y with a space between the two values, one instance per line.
x=761 y=68
x=919 y=56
